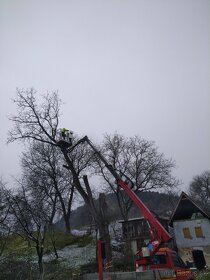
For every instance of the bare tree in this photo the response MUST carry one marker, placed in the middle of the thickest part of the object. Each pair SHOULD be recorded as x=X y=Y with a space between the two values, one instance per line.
x=199 y=189
x=40 y=122
x=4 y=219
x=30 y=219
x=139 y=162
x=35 y=121
x=43 y=167
x=4 y=207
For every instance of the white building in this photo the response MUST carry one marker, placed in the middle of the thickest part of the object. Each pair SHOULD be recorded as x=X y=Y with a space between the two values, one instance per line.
x=192 y=232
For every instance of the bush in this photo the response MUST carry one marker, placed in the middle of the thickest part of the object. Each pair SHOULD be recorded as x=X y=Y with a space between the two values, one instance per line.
x=203 y=275
x=89 y=268
x=17 y=246
x=14 y=269
x=11 y=268
x=84 y=241
x=19 y=261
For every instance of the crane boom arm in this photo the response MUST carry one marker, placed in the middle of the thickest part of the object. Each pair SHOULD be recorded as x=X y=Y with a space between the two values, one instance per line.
x=160 y=232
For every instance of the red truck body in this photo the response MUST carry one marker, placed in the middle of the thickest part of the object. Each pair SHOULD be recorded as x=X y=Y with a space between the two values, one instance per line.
x=165 y=259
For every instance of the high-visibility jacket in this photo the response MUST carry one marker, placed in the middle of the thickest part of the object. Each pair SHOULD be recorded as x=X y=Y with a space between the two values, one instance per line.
x=64 y=129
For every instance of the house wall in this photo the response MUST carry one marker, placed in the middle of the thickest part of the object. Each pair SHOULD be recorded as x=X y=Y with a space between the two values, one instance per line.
x=191 y=224
x=187 y=245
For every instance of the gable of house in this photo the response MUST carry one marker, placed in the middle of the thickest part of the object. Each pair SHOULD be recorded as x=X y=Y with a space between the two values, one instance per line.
x=186 y=208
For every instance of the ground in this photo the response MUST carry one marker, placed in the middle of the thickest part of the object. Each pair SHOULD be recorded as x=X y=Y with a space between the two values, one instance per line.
x=74 y=256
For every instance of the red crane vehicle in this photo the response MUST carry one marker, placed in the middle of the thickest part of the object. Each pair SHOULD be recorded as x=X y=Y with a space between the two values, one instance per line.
x=155 y=258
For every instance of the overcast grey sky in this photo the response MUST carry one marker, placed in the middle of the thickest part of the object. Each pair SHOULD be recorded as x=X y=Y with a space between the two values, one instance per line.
x=136 y=67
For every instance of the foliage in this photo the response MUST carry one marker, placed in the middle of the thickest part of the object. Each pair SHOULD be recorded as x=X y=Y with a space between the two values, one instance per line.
x=18 y=247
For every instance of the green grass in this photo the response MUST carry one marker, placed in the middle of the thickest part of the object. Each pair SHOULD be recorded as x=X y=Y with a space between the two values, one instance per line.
x=62 y=240
x=17 y=246
x=203 y=275
x=84 y=241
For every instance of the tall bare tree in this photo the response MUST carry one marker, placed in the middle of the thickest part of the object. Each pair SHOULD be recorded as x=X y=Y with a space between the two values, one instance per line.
x=139 y=162
x=40 y=122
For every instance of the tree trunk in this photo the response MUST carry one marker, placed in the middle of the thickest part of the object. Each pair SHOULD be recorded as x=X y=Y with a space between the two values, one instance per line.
x=104 y=226
x=67 y=224
x=66 y=214
x=101 y=218
x=105 y=237
x=2 y=247
x=128 y=256
x=39 y=250
x=53 y=240
x=55 y=250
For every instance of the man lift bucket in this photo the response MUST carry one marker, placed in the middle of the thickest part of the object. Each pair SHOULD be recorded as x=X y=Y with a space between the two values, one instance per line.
x=65 y=138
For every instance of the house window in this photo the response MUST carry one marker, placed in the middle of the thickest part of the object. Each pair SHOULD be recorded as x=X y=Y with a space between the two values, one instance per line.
x=198 y=232
x=186 y=233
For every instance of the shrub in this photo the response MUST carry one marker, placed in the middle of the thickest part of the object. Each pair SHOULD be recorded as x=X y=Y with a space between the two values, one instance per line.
x=11 y=268
x=203 y=275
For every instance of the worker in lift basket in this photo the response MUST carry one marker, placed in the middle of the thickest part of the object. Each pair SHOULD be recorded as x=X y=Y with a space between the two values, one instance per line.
x=66 y=135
